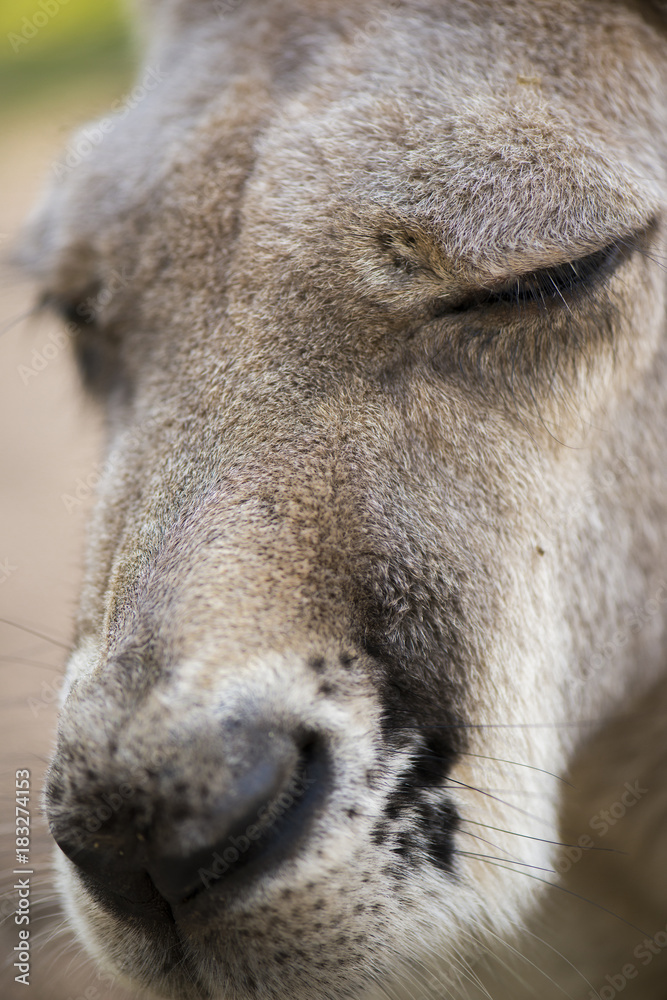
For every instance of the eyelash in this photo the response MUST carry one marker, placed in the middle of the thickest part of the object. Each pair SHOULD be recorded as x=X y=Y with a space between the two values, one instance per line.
x=558 y=283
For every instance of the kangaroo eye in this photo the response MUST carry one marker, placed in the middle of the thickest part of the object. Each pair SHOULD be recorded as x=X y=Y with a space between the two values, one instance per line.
x=95 y=344
x=561 y=280
x=559 y=284
x=79 y=313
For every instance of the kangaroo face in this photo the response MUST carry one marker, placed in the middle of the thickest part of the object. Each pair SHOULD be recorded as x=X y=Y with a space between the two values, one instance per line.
x=373 y=302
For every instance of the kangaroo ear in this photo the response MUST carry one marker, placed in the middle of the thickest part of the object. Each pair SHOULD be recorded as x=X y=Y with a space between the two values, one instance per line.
x=55 y=247
x=108 y=165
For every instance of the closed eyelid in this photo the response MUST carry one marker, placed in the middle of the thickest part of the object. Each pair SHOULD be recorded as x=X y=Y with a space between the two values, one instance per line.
x=556 y=282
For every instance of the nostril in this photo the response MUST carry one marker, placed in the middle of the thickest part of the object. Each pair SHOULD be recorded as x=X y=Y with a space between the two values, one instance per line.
x=256 y=824
x=172 y=840
x=113 y=878
x=127 y=893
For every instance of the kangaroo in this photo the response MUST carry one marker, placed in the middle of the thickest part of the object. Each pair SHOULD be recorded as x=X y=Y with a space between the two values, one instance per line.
x=366 y=691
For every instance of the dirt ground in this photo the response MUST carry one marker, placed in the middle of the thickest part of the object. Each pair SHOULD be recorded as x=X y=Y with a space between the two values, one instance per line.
x=49 y=448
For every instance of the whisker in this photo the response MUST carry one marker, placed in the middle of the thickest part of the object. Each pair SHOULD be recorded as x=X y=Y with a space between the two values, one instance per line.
x=510 y=805
x=28 y=314
x=31 y=663
x=562 y=297
x=528 y=961
x=513 y=971
x=513 y=725
x=35 y=632
x=497 y=847
x=21 y=700
x=528 y=836
x=570 y=892
x=513 y=791
x=489 y=857
x=526 y=930
x=516 y=763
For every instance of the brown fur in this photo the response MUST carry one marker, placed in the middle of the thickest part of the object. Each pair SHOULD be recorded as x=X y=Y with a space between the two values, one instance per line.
x=349 y=483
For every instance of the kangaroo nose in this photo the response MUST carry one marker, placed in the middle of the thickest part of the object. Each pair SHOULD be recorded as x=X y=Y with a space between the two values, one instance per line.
x=258 y=822
x=203 y=822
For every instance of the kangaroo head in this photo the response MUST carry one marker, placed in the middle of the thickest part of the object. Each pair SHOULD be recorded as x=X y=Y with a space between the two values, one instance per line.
x=373 y=302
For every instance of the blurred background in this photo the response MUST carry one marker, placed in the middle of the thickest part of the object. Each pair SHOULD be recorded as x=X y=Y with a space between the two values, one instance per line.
x=61 y=63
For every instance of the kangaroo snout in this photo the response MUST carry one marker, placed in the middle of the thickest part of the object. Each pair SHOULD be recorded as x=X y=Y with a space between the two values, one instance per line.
x=245 y=735
x=234 y=803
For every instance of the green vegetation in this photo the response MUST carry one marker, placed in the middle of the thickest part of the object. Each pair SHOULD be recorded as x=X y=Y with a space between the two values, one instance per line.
x=50 y=43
